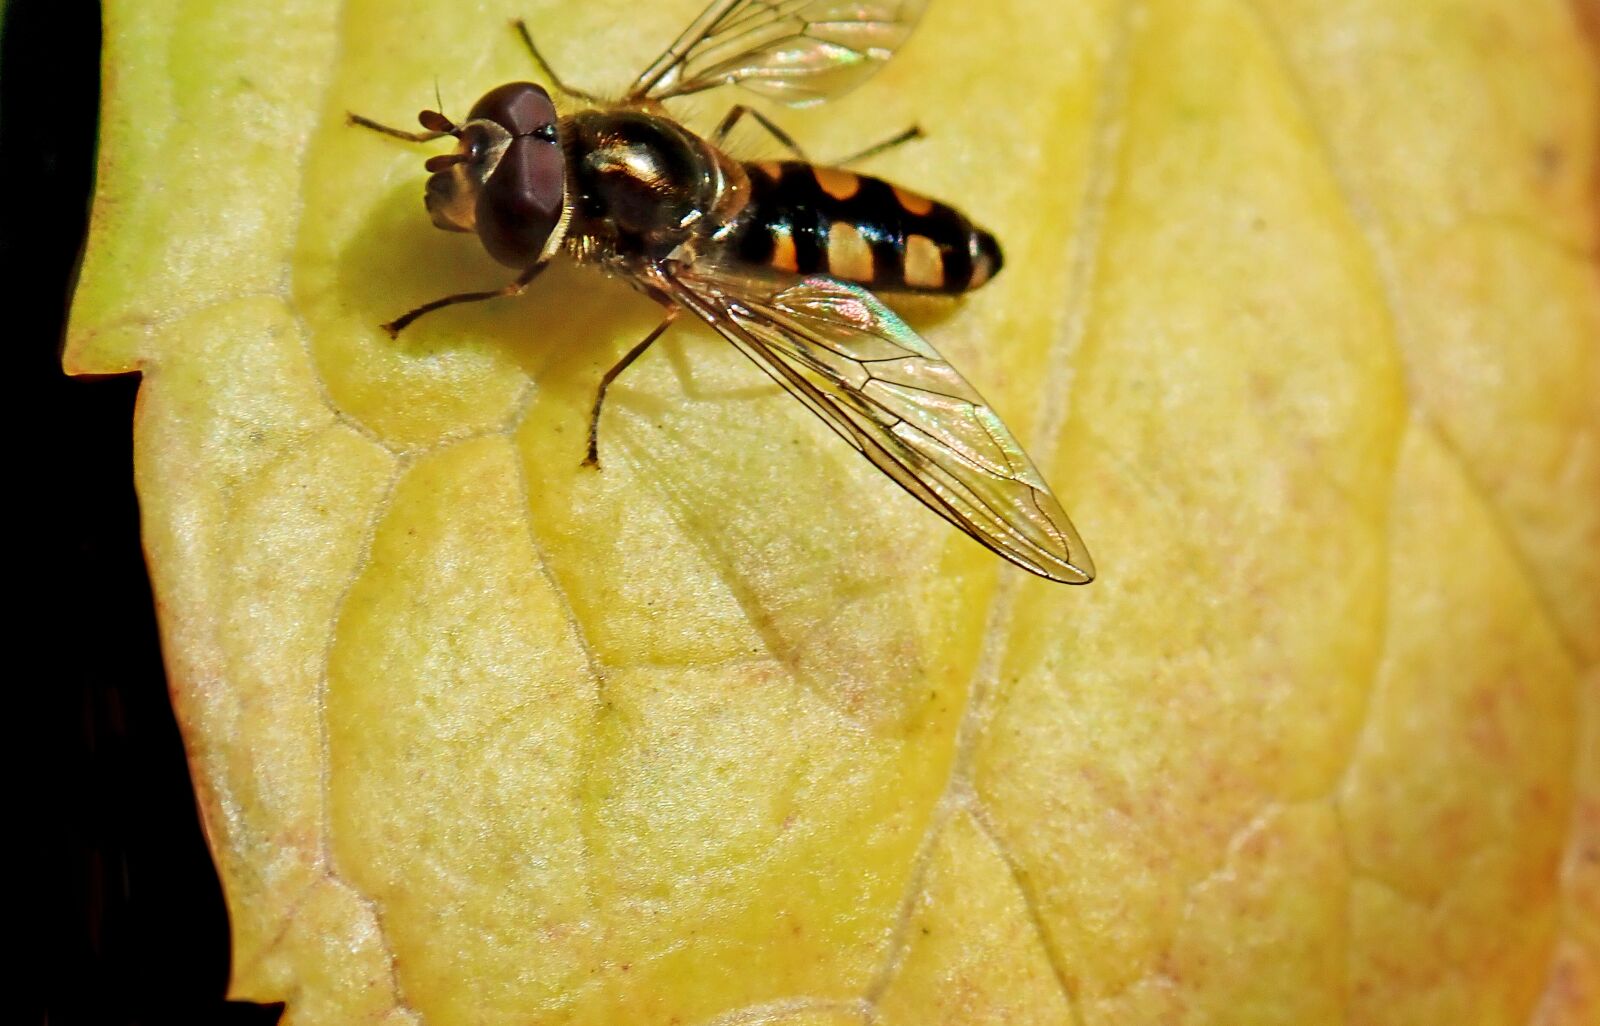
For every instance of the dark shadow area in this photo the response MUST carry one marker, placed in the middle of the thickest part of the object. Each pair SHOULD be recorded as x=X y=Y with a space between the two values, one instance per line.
x=123 y=919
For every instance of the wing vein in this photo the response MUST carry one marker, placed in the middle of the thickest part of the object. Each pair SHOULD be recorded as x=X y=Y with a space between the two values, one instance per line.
x=794 y=51
x=944 y=445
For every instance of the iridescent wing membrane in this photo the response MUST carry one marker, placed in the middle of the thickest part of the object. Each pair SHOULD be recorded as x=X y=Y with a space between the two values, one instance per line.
x=860 y=368
x=795 y=51
x=833 y=345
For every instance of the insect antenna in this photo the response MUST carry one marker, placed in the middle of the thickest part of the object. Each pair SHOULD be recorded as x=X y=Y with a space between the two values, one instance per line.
x=443 y=161
x=433 y=121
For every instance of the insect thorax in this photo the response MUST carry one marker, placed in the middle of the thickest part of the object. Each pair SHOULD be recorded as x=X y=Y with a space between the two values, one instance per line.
x=641 y=185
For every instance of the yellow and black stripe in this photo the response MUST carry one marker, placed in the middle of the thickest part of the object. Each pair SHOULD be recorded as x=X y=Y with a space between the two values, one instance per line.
x=810 y=220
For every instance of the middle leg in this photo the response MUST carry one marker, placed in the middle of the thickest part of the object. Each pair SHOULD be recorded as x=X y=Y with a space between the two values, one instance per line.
x=671 y=308
x=905 y=136
x=737 y=113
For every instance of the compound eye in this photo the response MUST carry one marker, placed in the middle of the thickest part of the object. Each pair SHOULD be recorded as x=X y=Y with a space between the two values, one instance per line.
x=521 y=108
x=521 y=203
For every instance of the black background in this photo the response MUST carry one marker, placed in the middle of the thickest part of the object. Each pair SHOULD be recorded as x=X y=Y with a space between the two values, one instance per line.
x=122 y=911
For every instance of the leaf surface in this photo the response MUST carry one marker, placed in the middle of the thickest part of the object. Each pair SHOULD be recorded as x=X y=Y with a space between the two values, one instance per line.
x=1301 y=317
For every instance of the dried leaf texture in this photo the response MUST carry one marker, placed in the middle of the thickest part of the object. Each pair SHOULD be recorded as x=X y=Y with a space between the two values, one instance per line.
x=1301 y=316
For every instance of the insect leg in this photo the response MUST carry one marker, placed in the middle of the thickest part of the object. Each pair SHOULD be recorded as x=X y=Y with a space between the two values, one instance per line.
x=593 y=458
x=740 y=111
x=544 y=65
x=914 y=132
x=400 y=133
x=395 y=326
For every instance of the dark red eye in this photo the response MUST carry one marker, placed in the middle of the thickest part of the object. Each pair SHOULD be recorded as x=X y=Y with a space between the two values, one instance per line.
x=520 y=205
x=522 y=108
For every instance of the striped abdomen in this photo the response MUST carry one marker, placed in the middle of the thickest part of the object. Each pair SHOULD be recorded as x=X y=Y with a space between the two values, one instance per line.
x=812 y=220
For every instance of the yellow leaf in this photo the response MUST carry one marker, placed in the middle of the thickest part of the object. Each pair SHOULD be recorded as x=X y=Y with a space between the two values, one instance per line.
x=1301 y=316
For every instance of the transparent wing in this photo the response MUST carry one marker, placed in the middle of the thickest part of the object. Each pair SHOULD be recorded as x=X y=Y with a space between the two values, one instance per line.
x=860 y=368
x=795 y=51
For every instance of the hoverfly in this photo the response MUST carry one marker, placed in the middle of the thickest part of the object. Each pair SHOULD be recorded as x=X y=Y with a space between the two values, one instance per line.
x=774 y=255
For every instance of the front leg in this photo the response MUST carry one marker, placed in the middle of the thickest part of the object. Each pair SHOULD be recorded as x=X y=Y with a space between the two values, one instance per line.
x=395 y=326
x=544 y=65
